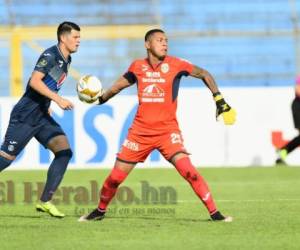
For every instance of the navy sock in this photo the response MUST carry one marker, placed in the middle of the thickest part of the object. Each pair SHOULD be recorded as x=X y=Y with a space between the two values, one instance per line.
x=56 y=173
x=4 y=163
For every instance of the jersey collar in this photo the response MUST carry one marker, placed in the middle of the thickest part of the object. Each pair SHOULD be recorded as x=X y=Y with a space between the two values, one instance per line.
x=154 y=67
x=61 y=54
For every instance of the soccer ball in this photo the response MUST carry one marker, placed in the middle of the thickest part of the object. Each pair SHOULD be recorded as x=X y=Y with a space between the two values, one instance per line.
x=89 y=88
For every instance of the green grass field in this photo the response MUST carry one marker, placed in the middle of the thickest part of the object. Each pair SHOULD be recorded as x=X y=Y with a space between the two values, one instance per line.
x=265 y=204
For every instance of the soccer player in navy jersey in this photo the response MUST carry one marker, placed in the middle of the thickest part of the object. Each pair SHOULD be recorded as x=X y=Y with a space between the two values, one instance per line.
x=30 y=116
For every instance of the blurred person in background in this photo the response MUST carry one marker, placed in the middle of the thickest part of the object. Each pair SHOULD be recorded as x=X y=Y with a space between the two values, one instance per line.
x=283 y=152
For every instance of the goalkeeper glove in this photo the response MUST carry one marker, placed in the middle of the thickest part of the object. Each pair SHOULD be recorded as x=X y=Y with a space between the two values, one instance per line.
x=228 y=113
x=96 y=98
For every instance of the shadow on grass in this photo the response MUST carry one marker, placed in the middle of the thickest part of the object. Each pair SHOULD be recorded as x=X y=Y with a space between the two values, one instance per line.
x=150 y=218
x=29 y=216
x=108 y=217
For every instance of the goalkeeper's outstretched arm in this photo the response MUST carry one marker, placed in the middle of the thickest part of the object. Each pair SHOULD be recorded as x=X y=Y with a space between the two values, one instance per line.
x=120 y=84
x=206 y=77
x=228 y=113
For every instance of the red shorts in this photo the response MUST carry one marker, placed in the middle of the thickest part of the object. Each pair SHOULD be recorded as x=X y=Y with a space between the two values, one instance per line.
x=136 y=148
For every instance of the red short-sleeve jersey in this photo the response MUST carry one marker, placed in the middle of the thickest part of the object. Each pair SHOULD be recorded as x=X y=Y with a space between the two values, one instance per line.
x=157 y=92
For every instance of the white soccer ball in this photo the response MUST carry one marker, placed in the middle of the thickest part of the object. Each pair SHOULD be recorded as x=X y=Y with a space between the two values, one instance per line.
x=89 y=88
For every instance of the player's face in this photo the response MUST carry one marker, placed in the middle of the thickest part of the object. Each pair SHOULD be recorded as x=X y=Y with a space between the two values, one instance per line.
x=71 y=40
x=157 y=45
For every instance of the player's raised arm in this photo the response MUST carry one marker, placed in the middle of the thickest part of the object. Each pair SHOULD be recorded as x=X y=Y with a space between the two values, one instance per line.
x=206 y=77
x=38 y=85
x=229 y=114
x=120 y=84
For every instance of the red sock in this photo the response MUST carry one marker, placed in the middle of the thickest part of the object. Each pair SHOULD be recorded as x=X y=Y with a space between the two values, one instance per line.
x=189 y=172
x=110 y=187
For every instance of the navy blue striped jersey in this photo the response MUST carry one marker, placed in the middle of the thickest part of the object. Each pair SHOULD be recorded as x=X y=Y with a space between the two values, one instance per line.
x=33 y=106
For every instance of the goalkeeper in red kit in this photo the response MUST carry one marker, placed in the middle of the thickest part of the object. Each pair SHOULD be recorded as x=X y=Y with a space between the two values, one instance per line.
x=155 y=124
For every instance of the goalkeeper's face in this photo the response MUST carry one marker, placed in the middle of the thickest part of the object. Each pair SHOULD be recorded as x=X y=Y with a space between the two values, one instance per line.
x=71 y=40
x=157 y=45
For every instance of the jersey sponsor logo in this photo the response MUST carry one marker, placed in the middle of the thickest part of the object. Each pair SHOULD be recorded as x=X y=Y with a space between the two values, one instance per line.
x=153 y=80
x=42 y=63
x=47 y=54
x=60 y=63
x=61 y=80
x=153 y=93
x=131 y=145
x=165 y=67
x=13 y=142
x=153 y=77
x=152 y=74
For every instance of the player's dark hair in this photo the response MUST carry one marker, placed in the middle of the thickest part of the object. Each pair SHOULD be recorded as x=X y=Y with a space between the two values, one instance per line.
x=66 y=27
x=151 y=32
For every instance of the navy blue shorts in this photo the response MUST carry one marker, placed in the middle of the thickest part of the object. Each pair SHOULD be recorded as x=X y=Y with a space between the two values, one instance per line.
x=18 y=134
